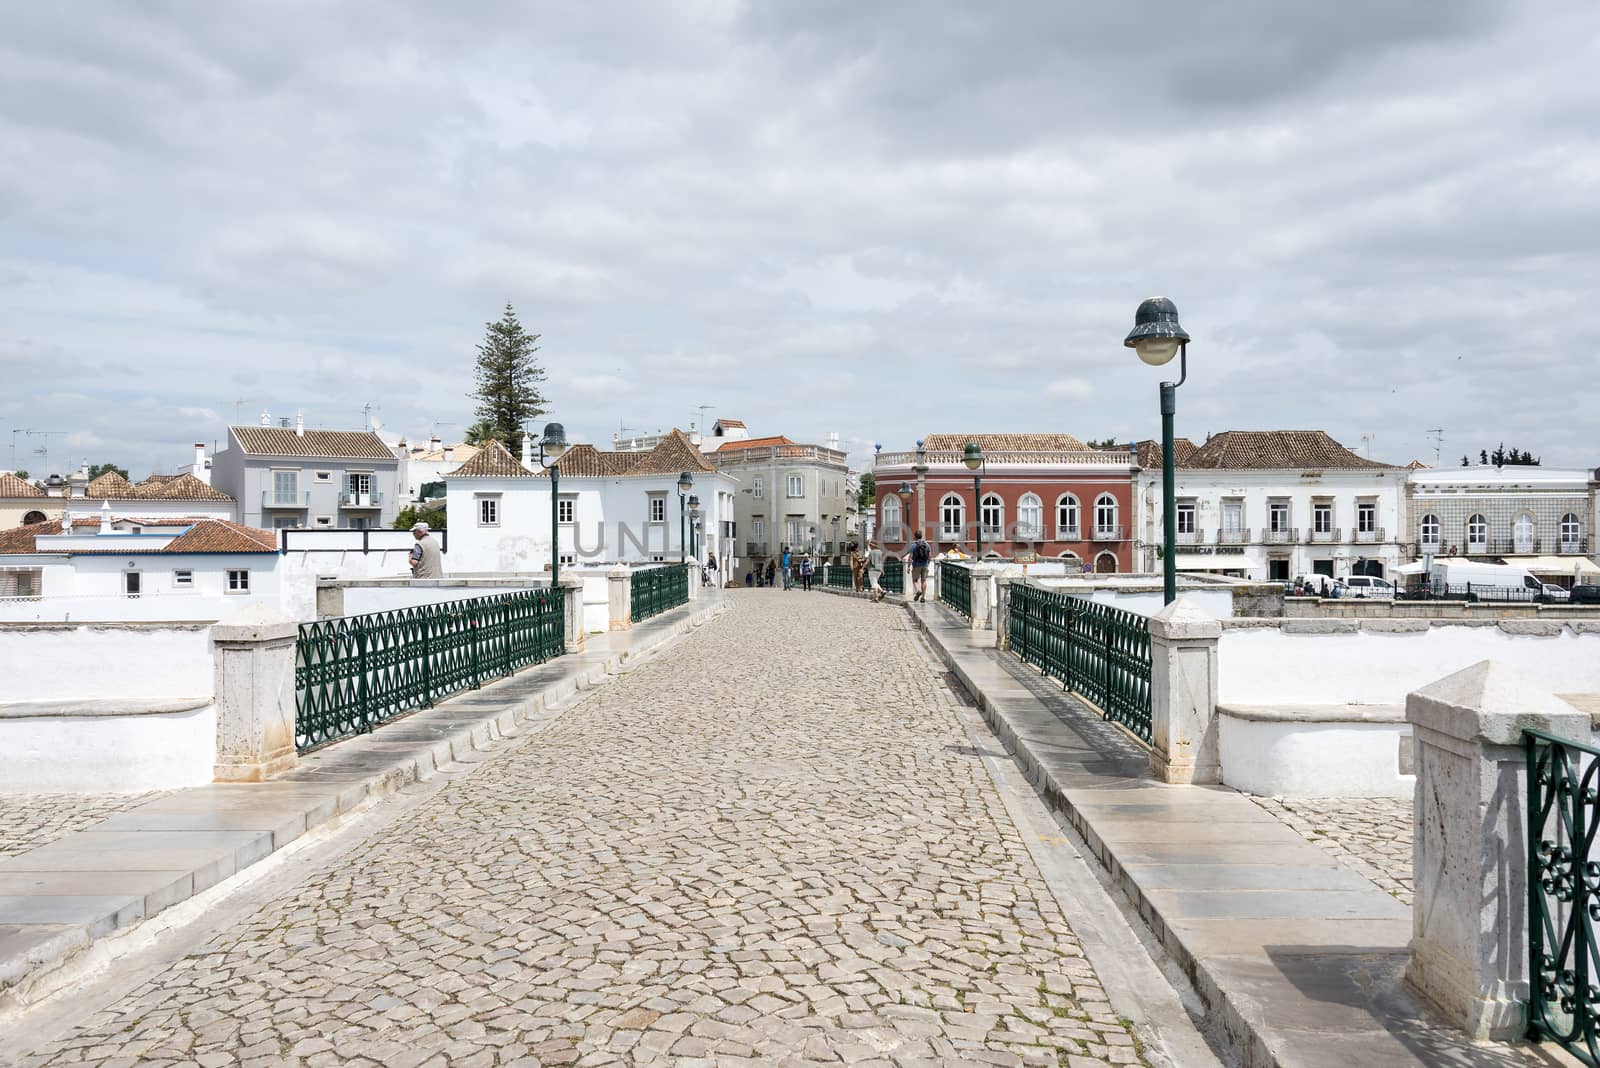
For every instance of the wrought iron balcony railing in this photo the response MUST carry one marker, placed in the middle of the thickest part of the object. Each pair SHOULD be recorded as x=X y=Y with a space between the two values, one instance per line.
x=350 y=499
x=1324 y=536
x=755 y=548
x=1370 y=537
x=1281 y=536
x=1107 y=534
x=1069 y=534
x=1233 y=537
x=1189 y=537
x=269 y=499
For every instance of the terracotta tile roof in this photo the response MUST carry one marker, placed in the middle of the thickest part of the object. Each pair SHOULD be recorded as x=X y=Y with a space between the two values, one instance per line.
x=1276 y=450
x=1148 y=453
x=458 y=453
x=110 y=485
x=155 y=480
x=623 y=463
x=1005 y=442
x=203 y=536
x=585 y=461
x=730 y=422
x=675 y=454
x=491 y=461
x=1417 y=465
x=336 y=444
x=12 y=486
x=755 y=443
x=184 y=487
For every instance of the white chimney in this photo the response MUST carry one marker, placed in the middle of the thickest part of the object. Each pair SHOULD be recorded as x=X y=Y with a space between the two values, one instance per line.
x=105 y=517
x=527 y=450
x=299 y=424
x=66 y=523
x=434 y=443
x=449 y=453
x=266 y=417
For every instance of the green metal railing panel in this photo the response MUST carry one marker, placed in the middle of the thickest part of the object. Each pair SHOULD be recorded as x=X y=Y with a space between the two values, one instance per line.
x=838 y=577
x=894 y=576
x=657 y=589
x=1563 y=894
x=1098 y=651
x=354 y=672
x=955 y=587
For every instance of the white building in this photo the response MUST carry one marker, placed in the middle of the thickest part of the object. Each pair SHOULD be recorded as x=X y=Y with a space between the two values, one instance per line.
x=1539 y=518
x=425 y=466
x=174 y=496
x=1269 y=505
x=615 y=507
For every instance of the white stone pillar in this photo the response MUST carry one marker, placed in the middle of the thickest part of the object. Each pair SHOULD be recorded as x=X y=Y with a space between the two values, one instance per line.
x=572 y=621
x=619 y=598
x=1002 y=612
x=1183 y=695
x=693 y=578
x=1469 y=943
x=982 y=596
x=253 y=662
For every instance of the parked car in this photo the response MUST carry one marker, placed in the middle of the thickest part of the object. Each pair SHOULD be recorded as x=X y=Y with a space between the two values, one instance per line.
x=1554 y=594
x=1369 y=586
x=1584 y=595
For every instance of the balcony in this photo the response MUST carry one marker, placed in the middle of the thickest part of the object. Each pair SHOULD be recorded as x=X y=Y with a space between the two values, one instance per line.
x=755 y=548
x=353 y=500
x=1234 y=537
x=1433 y=545
x=1571 y=546
x=1068 y=534
x=1189 y=537
x=1281 y=536
x=1325 y=537
x=951 y=534
x=1107 y=534
x=283 y=501
x=1370 y=537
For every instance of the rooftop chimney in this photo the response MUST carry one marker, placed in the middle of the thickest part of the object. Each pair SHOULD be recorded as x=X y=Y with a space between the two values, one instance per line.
x=527 y=450
x=266 y=417
x=105 y=517
x=299 y=424
x=66 y=523
x=434 y=442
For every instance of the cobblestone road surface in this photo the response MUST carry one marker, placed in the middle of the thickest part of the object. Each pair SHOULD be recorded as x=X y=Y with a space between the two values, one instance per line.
x=28 y=821
x=1371 y=834
x=773 y=845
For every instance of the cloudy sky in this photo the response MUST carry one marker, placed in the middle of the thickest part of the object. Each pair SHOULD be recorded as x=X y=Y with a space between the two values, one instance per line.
x=877 y=219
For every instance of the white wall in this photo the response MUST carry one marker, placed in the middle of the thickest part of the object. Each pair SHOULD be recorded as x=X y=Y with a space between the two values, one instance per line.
x=108 y=754
x=1313 y=759
x=146 y=508
x=1267 y=666
x=46 y=662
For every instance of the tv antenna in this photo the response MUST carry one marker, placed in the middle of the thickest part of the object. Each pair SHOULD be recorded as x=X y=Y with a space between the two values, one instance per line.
x=701 y=425
x=42 y=450
x=1437 y=434
x=1366 y=443
x=239 y=402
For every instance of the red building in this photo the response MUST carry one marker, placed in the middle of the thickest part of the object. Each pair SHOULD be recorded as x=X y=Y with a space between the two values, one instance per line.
x=1048 y=494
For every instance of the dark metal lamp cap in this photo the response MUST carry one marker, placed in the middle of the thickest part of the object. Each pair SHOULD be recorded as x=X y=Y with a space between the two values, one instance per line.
x=972 y=456
x=1156 y=318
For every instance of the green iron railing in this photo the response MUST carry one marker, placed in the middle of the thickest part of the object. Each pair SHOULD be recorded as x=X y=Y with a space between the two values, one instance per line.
x=1095 y=650
x=353 y=672
x=894 y=575
x=656 y=589
x=837 y=576
x=955 y=587
x=1563 y=894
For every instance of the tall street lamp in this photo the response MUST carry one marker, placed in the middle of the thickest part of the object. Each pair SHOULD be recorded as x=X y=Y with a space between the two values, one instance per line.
x=552 y=447
x=1157 y=337
x=685 y=481
x=694 y=525
x=972 y=456
x=920 y=468
x=904 y=493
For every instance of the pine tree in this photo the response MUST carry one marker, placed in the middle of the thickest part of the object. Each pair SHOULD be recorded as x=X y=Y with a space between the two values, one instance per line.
x=508 y=378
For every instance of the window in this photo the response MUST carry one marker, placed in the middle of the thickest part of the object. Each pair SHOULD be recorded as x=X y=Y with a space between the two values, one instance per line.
x=1571 y=534
x=1105 y=518
x=564 y=510
x=1522 y=533
x=286 y=487
x=1366 y=517
x=360 y=485
x=794 y=529
x=324 y=476
x=1105 y=564
x=488 y=511
x=238 y=581
x=1428 y=531
x=797 y=486
x=658 y=509
x=1232 y=516
x=569 y=559
x=32 y=518
x=1322 y=517
x=891 y=516
x=758 y=486
x=1186 y=517
x=20 y=583
x=1477 y=534
x=952 y=516
x=359 y=522
x=1030 y=518
x=284 y=522
x=992 y=514
x=1067 y=518
x=758 y=528
x=132 y=583
x=183 y=578
x=324 y=520
x=1278 y=517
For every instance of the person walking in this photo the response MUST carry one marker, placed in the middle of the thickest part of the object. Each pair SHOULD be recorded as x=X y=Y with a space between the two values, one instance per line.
x=788 y=573
x=426 y=563
x=858 y=564
x=772 y=572
x=807 y=568
x=919 y=556
x=875 y=571
x=710 y=573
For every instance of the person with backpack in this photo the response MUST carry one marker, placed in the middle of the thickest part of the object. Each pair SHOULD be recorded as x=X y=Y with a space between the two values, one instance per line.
x=788 y=574
x=807 y=569
x=918 y=558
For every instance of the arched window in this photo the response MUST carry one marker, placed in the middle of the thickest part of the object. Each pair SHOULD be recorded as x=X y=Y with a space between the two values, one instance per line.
x=1522 y=534
x=1428 y=531
x=1067 y=518
x=32 y=518
x=1073 y=562
x=1105 y=564
x=993 y=516
x=891 y=517
x=1571 y=534
x=1105 y=520
x=1477 y=534
x=1030 y=518
x=952 y=517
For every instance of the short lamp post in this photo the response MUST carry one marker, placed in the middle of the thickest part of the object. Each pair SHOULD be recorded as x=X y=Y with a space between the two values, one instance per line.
x=694 y=526
x=685 y=482
x=972 y=456
x=553 y=446
x=904 y=493
x=1157 y=337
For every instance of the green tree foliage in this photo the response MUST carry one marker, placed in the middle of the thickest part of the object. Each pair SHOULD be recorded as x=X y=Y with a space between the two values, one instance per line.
x=480 y=432
x=411 y=515
x=508 y=378
x=96 y=470
x=21 y=474
x=1504 y=457
x=867 y=498
x=1108 y=443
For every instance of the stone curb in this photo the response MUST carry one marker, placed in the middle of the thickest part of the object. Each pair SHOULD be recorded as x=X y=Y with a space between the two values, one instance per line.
x=327 y=784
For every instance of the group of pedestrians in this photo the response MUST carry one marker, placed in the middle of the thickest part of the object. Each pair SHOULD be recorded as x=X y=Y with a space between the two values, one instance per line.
x=866 y=569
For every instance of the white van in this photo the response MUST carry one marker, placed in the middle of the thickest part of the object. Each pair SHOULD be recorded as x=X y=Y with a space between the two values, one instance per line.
x=1369 y=586
x=1489 y=582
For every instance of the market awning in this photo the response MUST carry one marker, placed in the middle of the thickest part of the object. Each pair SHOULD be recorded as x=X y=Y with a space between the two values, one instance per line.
x=1211 y=563
x=1416 y=568
x=1556 y=565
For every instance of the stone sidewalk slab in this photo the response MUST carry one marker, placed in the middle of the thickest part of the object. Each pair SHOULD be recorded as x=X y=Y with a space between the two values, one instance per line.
x=56 y=899
x=1297 y=956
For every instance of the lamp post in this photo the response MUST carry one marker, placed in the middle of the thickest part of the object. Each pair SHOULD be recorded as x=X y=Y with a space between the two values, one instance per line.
x=904 y=493
x=1157 y=337
x=920 y=468
x=553 y=446
x=685 y=481
x=694 y=525
x=972 y=456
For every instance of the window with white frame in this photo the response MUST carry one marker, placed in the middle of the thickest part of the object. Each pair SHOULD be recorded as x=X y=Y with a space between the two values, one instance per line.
x=1105 y=515
x=992 y=514
x=1278 y=517
x=1322 y=517
x=891 y=516
x=1428 y=531
x=238 y=580
x=758 y=486
x=1477 y=534
x=324 y=476
x=488 y=511
x=183 y=578
x=1232 y=516
x=952 y=516
x=132 y=583
x=1571 y=534
x=1067 y=518
x=286 y=487
x=794 y=529
x=797 y=486
x=1186 y=513
x=565 y=507
x=758 y=528
x=1030 y=518
x=569 y=559
x=1366 y=517
x=1522 y=533
x=658 y=509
